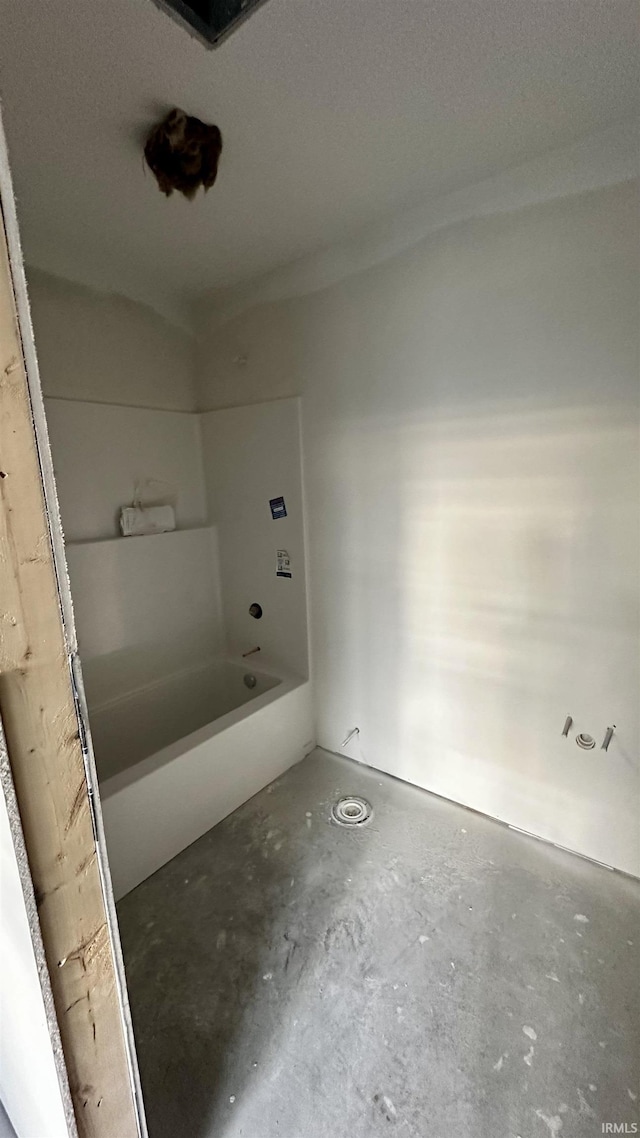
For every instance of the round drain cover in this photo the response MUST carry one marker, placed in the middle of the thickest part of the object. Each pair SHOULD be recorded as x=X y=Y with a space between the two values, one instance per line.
x=352 y=811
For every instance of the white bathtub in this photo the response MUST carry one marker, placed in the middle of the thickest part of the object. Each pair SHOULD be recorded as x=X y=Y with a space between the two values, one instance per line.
x=176 y=756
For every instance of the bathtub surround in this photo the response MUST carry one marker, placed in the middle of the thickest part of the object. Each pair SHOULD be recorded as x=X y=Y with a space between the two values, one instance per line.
x=127 y=454
x=432 y=973
x=180 y=738
x=470 y=439
x=159 y=605
x=252 y=458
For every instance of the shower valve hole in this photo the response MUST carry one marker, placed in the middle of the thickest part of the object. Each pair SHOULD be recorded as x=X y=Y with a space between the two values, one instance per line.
x=255 y=610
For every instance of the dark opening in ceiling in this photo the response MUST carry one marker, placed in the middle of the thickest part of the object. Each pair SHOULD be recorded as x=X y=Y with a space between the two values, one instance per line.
x=211 y=20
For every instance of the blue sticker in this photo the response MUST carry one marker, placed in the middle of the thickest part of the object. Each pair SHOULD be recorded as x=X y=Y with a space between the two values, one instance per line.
x=278 y=508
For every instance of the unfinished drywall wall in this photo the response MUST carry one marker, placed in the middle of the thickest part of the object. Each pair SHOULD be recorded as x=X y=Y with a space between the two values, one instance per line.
x=117 y=380
x=470 y=427
x=107 y=349
x=251 y=456
x=246 y=361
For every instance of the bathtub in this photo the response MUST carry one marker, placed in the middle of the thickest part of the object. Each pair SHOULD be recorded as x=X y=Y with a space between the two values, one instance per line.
x=176 y=755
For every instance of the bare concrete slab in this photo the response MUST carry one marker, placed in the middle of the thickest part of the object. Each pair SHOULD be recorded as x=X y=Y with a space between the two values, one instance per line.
x=432 y=974
x=6 y=1129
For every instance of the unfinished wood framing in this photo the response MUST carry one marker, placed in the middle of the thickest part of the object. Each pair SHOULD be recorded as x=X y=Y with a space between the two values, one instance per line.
x=42 y=712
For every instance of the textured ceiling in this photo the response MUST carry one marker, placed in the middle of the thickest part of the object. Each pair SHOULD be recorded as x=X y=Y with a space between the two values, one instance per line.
x=333 y=112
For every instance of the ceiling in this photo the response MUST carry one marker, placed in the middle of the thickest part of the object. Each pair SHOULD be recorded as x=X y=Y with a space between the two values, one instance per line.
x=334 y=113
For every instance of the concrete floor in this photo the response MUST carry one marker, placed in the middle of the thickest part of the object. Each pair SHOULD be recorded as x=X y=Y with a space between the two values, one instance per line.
x=6 y=1129
x=434 y=975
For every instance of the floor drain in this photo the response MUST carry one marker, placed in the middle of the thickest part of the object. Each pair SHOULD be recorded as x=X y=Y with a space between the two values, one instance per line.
x=352 y=811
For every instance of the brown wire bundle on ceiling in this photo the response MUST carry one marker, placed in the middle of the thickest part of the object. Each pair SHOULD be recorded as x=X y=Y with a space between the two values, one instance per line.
x=183 y=153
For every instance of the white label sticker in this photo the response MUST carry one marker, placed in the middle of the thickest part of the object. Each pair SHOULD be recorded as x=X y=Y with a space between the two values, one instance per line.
x=283 y=563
